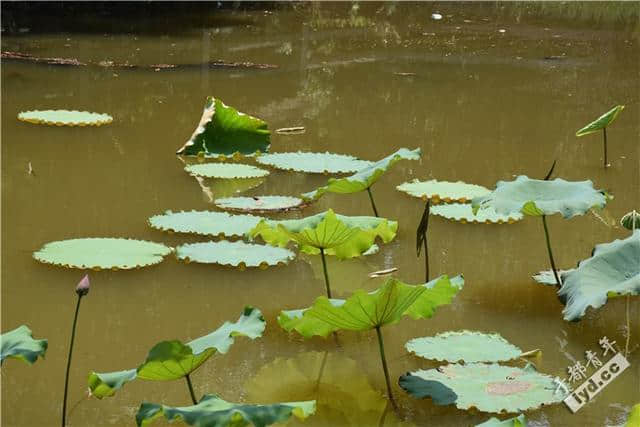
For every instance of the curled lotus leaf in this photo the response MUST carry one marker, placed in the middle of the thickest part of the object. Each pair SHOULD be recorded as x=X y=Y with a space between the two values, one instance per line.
x=486 y=387
x=234 y=254
x=209 y=223
x=547 y=278
x=538 y=197
x=212 y=411
x=631 y=220
x=313 y=162
x=225 y=132
x=443 y=191
x=364 y=178
x=601 y=122
x=226 y=170
x=259 y=203
x=19 y=344
x=466 y=346
x=102 y=253
x=613 y=269
x=65 y=118
x=519 y=421
x=171 y=360
x=463 y=212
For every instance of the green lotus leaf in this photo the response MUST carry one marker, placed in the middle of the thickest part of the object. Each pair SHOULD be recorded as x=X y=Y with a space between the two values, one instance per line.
x=19 y=344
x=519 y=421
x=601 y=122
x=259 y=203
x=466 y=346
x=634 y=416
x=170 y=360
x=205 y=222
x=102 y=253
x=65 y=118
x=212 y=411
x=463 y=212
x=487 y=387
x=223 y=131
x=313 y=162
x=539 y=197
x=443 y=191
x=364 y=311
x=547 y=278
x=612 y=269
x=226 y=170
x=364 y=178
x=235 y=254
x=631 y=220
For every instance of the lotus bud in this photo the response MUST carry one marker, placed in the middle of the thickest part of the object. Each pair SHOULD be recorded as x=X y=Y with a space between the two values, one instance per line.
x=631 y=221
x=83 y=286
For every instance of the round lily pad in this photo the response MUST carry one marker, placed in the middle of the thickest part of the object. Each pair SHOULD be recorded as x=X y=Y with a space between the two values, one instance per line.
x=226 y=170
x=102 y=253
x=259 y=203
x=205 y=223
x=466 y=346
x=314 y=162
x=443 y=191
x=463 y=212
x=65 y=118
x=235 y=254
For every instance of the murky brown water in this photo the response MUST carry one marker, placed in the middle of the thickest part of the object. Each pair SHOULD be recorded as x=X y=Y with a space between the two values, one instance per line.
x=483 y=105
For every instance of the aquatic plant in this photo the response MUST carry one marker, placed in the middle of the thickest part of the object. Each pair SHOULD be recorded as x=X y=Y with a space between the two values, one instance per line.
x=313 y=162
x=631 y=220
x=260 y=203
x=208 y=223
x=634 y=416
x=19 y=344
x=463 y=212
x=65 y=118
x=225 y=171
x=601 y=123
x=519 y=421
x=235 y=254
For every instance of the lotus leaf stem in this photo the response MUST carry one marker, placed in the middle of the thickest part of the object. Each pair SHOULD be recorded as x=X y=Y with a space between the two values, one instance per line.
x=66 y=378
x=604 y=135
x=373 y=204
x=321 y=371
x=553 y=263
x=422 y=229
x=326 y=274
x=384 y=366
x=193 y=395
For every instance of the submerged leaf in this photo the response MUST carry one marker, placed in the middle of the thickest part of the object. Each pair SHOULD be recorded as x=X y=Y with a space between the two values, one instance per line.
x=234 y=254
x=65 y=118
x=601 y=122
x=259 y=203
x=313 y=162
x=466 y=346
x=464 y=213
x=443 y=191
x=226 y=170
x=519 y=421
x=208 y=223
x=19 y=344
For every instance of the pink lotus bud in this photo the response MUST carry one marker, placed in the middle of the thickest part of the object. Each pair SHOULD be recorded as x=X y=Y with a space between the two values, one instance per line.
x=83 y=286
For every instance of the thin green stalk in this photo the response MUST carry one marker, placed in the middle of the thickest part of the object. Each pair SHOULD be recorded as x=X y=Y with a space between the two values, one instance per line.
x=66 y=378
x=553 y=263
x=193 y=395
x=384 y=366
x=373 y=204
x=604 y=135
x=326 y=274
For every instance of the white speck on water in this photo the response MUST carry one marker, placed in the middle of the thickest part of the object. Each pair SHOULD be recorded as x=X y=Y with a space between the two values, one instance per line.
x=502 y=30
x=436 y=16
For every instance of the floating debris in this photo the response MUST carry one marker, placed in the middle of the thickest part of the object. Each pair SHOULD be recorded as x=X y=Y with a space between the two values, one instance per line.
x=381 y=273
x=436 y=16
x=405 y=74
x=295 y=130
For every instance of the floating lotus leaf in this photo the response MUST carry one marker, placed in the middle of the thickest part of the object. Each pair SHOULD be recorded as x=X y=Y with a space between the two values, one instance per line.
x=631 y=220
x=343 y=236
x=205 y=222
x=443 y=191
x=259 y=203
x=314 y=162
x=226 y=170
x=463 y=212
x=486 y=387
x=547 y=278
x=519 y=421
x=364 y=311
x=102 y=253
x=212 y=411
x=19 y=344
x=539 y=197
x=364 y=178
x=170 y=360
x=65 y=118
x=235 y=254
x=634 y=416
x=614 y=268
x=466 y=346
x=223 y=131
x=601 y=122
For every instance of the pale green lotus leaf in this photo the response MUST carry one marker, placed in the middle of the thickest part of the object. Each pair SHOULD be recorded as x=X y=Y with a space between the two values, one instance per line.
x=365 y=311
x=235 y=254
x=226 y=170
x=225 y=132
x=364 y=178
x=259 y=203
x=313 y=162
x=634 y=416
x=465 y=346
x=519 y=421
x=614 y=268
x=170 y=360
x=463 y=212
x=601 y=122
x=19 y=344
x=65 y=118
x=540 y=197
x=102 y=253
x=207 y=223
x=443 y=191
x=486 y=387
x=212 y=411
x=631 y=220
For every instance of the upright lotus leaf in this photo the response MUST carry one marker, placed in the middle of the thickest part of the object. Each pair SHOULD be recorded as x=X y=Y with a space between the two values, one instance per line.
x=601 y=122
x=313 y=162
x=519 y=421
x=102 y=253
x=212 y=411
x=234 y=254
x=486 y=387
x=226 y=170
x=19 y=344
x=259 y=203
x=65 y=118
x=466 y=346
x=464 y=213
x=614 y=268
x=208 y=223
x=443 y=191
x=170 y=360
x=223 y=131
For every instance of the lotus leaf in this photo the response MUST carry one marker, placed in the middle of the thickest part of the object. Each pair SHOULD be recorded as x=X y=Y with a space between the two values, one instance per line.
x=519 y=421
x=443 y=191
x=226 y=170
x=19 y=344
x=170 y=360
x=614 y=268
x=223 y=131
x=205 y=222
x=464 y=213
x=314 y=162
x=259 y=203
x=634 y=416
x=65 y=118
x=631 y=220
x=212 y=411
x=601 y=122
x=235 y=254
x=466 y=346
x=487 y=387
x=102 y=253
